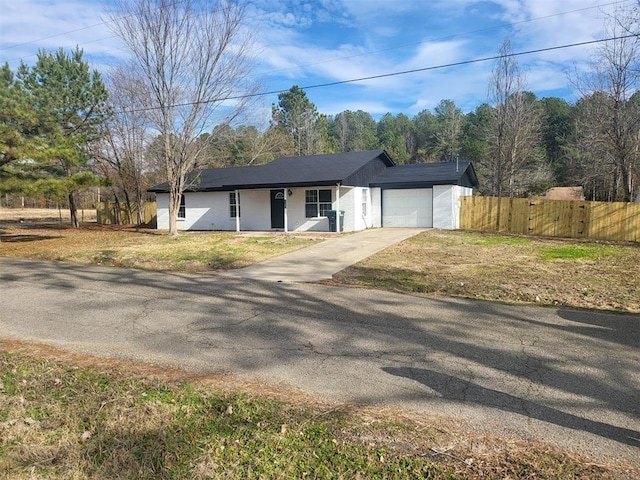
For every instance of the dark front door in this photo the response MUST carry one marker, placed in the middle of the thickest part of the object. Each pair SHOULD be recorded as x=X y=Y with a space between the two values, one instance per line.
x=277 y=209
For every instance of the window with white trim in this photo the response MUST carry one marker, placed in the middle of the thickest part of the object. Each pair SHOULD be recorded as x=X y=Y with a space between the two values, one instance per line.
x=365 y=202
x=234 y=204
x=316 y=203
x=182 y=210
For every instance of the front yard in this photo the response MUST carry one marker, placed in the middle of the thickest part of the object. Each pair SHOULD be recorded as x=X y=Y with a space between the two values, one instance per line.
x=505 y=268
x=515 y=269
x=145 y=248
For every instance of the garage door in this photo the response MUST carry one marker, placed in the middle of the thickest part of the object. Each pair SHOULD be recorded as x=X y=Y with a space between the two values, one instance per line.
x=407 y=208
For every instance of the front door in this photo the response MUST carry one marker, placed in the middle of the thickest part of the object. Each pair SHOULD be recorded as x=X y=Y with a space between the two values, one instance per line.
x=277 y=209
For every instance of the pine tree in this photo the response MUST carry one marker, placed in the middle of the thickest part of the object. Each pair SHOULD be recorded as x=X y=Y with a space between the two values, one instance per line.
x=69 y=103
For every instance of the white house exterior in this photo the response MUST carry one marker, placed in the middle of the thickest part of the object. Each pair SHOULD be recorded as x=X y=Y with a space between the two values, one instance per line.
x=213 y=210
x=299 y=194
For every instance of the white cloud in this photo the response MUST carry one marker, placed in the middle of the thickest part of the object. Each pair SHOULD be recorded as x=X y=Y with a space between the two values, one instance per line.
x=307 y=43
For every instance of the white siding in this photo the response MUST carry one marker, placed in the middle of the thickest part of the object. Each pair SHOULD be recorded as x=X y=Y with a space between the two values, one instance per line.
x=162 y=210
x=446 y=205
x=438 y=207
x=350 y=203
x=210 y=211
x=362 y=219
x=443 y=200
x=376 y=207
x=255 y=210
x=460 y=192
x=295 y=212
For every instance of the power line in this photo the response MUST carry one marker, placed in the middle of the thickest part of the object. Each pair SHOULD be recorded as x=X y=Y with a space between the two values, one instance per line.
x=326 y=61
x=394 y=74
x=437 y=39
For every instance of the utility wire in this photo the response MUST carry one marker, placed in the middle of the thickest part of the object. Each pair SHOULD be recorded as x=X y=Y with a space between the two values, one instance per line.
x=394 y=74
x=448 y=37
x=325 y=61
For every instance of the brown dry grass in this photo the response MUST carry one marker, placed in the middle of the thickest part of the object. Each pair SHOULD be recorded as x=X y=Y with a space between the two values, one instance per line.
x=559 y=272
x=595 y=275
x=30 y=215
x=144 y=248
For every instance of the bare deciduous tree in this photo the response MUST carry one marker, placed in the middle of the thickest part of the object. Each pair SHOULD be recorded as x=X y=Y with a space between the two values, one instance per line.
x=515 y=130
x=191 y=58
x=120 y=154
x=244 y=145
x=608 y=124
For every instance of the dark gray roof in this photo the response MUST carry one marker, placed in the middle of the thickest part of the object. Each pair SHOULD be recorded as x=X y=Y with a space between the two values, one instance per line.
x=369 y=168
x=424 y=175
x=350 y=168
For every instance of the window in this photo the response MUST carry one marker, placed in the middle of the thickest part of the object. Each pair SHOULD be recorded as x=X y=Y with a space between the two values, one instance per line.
x=365 y=202
x=234 y=205
x=316 y=203
x=182 y=211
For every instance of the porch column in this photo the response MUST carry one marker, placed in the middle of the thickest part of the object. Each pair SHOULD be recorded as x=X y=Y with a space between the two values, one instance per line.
x=286 y=220
x=237 y=211
x=338 y=208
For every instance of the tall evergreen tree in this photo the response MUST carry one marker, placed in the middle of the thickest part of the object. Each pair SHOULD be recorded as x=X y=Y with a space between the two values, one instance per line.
x=353 y=131
x=425 y=131
x=18 y=119
x=69 y=101
x=296 y=115
x=397 y=135
x=558 y=133
x=450 y=122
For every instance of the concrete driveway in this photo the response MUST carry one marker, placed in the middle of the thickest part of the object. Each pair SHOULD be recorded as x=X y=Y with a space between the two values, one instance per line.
x=321 y=261
x=566 y=377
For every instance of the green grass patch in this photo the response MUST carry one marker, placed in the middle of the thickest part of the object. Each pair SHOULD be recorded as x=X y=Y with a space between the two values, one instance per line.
x=577 y=252
x=62 y=421
x=93 y=424
x=506 y=268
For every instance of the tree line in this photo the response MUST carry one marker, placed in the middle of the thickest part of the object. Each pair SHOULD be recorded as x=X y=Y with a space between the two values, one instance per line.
x=162 y=114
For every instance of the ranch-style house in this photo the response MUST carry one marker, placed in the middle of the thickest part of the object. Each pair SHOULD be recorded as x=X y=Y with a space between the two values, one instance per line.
x=306 y=193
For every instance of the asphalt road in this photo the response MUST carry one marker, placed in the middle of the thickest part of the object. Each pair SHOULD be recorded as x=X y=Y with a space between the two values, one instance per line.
x=567 y=377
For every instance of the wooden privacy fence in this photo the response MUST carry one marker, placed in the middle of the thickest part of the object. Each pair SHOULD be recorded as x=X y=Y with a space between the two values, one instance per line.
x=111 y=213
x=552 y=218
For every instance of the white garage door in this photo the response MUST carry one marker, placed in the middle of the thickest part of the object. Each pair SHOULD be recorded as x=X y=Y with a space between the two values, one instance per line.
x=407 y=208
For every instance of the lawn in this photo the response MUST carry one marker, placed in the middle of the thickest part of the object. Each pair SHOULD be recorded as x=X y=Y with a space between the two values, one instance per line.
x=516 y=269
x=145 y=248
x=505 y=268
x=70 y=416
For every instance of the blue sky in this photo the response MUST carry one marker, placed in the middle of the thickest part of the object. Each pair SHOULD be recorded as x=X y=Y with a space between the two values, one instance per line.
x=311 y=42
